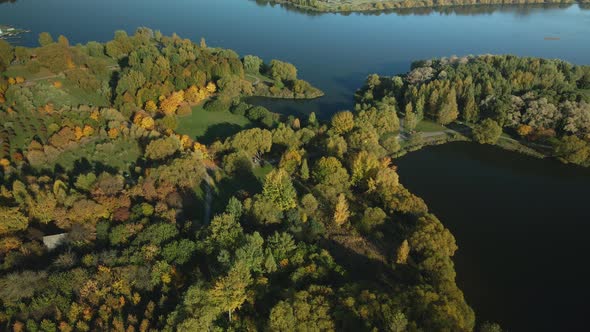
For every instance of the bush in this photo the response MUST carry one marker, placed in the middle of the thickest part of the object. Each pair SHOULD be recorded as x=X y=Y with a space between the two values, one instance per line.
x=216 y=105
x=240 y=109
x=257 y=113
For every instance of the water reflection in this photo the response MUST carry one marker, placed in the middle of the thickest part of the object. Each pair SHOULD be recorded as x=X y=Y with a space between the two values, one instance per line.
x=468 y=10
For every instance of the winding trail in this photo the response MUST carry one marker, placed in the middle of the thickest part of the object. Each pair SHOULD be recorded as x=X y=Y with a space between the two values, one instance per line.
x=256 y=79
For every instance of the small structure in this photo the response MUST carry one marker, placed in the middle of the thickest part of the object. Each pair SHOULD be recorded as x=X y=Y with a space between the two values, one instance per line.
x=54 y=241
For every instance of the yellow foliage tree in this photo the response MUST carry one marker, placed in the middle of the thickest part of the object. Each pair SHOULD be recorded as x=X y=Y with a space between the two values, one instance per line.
x=148 y=123
x=185 y=141
x=170 y=104
x=88 y=130
x=11 y=81
x=95 y=115
x=78 y=132
x=198 y=147
x=19 y=80
x=113 y=133
x=211 y=87
x=341 y=212
x=192 y=95
x=151 y=106
x=524 y=130
x=403 y=252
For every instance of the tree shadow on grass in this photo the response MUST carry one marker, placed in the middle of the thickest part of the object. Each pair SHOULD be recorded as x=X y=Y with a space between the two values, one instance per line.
x=220 y=131
x=245 y=183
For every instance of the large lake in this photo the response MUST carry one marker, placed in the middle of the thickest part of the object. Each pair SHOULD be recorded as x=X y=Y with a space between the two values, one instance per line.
x=520 y=223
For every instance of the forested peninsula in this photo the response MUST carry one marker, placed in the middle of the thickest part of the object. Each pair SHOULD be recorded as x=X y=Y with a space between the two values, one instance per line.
x=381 y=5
x=536 y=106
x=140 y=192
x=112 y=220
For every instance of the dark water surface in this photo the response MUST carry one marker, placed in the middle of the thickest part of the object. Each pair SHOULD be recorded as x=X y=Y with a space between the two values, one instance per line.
x=522 y=227
x=521 y=223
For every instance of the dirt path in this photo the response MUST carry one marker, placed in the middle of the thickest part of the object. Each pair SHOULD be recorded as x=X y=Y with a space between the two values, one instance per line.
x=257 y=80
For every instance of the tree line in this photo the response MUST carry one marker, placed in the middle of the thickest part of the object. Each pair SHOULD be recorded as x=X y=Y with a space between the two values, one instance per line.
x=541 y=102
x=309 y=226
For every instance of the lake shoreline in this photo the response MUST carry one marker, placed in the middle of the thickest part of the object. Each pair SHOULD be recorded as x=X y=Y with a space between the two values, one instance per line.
x=394 y=5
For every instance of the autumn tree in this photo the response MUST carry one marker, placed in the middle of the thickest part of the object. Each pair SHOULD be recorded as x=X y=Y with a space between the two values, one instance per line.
x=449 y=111
x=341 y=211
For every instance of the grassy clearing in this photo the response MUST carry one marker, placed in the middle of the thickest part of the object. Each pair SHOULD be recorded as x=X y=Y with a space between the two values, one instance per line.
x=429 y=126
x=22 y=71
x=117 y=154
x=208 y=126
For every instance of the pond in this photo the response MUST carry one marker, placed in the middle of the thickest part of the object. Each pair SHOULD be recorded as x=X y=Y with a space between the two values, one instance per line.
x=520 y=222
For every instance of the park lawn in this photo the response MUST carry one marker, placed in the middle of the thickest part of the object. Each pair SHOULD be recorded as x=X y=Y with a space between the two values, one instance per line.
x=79 y=96
x=206 y=126
x=22 y=71
x=429 y=126
x=261 y=172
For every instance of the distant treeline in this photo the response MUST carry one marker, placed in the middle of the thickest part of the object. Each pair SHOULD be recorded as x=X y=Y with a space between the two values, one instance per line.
x=332 y=6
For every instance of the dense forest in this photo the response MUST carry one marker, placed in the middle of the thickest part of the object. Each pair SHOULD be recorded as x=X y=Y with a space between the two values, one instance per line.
x=111 y=220
x=380 y=5
x=544 y=104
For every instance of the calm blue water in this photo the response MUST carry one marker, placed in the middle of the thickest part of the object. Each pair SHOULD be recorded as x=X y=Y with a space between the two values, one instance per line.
x=520 y=223
x=335 y=52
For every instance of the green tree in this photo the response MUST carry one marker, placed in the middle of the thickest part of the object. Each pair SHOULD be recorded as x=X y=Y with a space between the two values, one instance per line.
x=45 y=39
x=304 y=171
x=252 y=64
x=305 y=311
x=487 y=132
x=572 y=149
x=470 y=110
x=229 y=292
x=224 y=232
x=410 y=119
x=254 y=142
x=283 y=71
x=279 y=189
x=162 y=148
x=12 y=220
x=342 y=122
x=6 y=53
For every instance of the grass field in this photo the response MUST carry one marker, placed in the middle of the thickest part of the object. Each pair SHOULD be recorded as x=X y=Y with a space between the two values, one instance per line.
x=429 y=126
x=208 y=126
